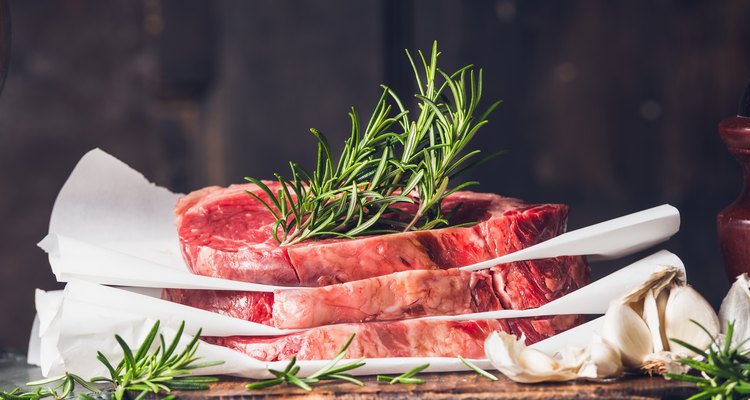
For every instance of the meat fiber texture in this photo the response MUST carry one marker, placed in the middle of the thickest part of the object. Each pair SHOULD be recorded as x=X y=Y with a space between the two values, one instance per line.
x=411 y=338
x=226 y=233
x=401 y=295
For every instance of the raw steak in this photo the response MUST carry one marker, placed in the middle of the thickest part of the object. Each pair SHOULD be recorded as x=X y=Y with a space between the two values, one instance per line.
x=226 y=233
x=372 y=340
x=401 y=295
x=413 y=338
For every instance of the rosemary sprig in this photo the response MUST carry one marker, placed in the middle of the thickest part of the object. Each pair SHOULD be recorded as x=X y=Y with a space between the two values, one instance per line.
x=396 y=162
x=477 y=369
x=161 y=370
x=406 y=377
x=65 y=386
x=724 y=369
x=329 y=371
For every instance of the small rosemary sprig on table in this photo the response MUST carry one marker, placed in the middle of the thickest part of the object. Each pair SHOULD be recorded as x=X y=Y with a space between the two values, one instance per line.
x=476 y=369
x=724 y=369
x=161 y=370
x=65 y=386
x=328 y=372
x=401 y=158
x=405 y=378
x=158 y=371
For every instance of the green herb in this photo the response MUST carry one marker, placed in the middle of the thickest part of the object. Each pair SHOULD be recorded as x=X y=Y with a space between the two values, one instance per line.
x=477 y=369
x=66 y=385
x=406 y=377
x=162 y=370
x=724 y=369
x=328 y=372
x=400 y=159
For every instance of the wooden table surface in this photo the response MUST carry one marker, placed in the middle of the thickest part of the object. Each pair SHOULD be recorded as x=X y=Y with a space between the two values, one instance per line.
x=15 y=372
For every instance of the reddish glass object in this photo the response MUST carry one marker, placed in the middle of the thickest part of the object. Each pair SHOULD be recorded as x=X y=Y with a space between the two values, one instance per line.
x=733 y=222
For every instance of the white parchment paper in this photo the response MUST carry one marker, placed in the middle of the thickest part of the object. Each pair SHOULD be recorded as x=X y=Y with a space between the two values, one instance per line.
x=85 y=316
x=110 y=226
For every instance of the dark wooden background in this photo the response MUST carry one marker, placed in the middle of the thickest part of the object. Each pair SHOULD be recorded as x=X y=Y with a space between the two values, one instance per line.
x=610 y=107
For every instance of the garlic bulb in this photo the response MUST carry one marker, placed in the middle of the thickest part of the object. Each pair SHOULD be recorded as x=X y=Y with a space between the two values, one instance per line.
x=627 y=332
x=736 y=308
x=684 y=306
x=667 y=308
x=635 y=334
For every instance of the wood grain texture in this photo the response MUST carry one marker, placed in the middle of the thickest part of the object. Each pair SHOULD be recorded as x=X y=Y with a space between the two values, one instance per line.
x=460 y=386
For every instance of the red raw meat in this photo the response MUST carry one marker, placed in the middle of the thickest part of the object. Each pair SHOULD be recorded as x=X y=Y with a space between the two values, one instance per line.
x=406 y=294
x=373 y=340
x=401 y=295
x=226 y=233
x=411 y=338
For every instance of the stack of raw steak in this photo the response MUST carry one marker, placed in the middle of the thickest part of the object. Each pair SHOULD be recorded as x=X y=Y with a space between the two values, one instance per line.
x=375 y=286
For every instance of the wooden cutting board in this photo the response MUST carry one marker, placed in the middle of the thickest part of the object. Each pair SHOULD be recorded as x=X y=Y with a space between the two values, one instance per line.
x=463 y=385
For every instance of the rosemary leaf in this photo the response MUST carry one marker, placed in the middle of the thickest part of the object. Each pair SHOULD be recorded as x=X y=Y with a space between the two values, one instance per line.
x=264 y=384
x=406 y=377
x=477 y=369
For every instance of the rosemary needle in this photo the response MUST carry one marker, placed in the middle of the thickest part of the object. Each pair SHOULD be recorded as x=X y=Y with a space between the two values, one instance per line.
x=477 y=369
x=406 y=377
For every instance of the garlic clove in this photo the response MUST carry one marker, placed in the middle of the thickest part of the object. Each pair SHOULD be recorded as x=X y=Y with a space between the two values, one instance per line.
x=537 y=361
x=736 y=308
x=651 y=316
x=571 y=357
x=653 y=313
x=521 y=364
x=628 y=333
x=603 y=360
x=661 y=306
x=503 y=351
x=684 y=306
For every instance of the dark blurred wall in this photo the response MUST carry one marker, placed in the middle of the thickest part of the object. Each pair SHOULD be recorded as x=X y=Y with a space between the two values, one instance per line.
x=610 y=107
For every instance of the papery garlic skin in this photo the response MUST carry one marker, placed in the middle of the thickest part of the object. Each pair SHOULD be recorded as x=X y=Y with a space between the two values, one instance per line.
x=522 y=364
x=526 y=365
x=735 y=308
x=603 y=360
x=664 y=362
x=627 y=332
x=684 y=306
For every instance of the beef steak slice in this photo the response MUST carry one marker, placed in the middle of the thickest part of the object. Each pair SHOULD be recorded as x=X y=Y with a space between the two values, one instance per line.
x=226 y=233
x=413 y=338
x=401 y=295
x=410 y=338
